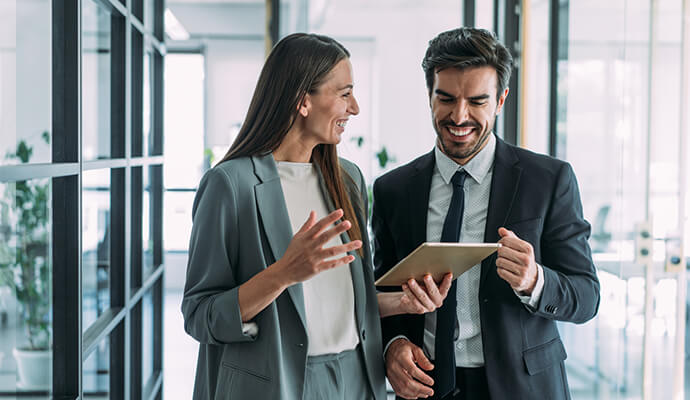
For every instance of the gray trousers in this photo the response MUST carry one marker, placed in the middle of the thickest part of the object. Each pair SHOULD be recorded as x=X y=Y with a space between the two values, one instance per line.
x=339 y=376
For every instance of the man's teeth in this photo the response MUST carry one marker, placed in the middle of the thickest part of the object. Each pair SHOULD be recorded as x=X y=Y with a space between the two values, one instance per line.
x=461 y=132
x=341 y=123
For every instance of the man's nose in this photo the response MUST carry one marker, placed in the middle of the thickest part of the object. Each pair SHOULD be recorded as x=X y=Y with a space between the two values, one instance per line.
x=460 y=113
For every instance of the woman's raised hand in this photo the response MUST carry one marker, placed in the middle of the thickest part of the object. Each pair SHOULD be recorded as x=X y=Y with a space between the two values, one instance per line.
x=306 y=255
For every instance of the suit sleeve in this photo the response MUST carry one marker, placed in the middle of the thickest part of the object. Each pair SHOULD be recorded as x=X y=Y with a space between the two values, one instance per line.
x=385 y=259
x=571 y=286
x=210 y=304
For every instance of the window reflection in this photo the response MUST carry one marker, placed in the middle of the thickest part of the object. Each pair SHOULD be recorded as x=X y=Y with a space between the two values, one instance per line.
x=25 y=287
x=147 y=223
x=147 y=333
x=95 y=244
x=25 y=79
x=96 y=72
x=96 y=372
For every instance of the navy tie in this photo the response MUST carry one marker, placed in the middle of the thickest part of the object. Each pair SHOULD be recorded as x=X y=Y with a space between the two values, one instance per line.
x=446 y=315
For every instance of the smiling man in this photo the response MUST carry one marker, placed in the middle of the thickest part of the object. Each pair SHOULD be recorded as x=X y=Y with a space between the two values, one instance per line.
x=495 y=335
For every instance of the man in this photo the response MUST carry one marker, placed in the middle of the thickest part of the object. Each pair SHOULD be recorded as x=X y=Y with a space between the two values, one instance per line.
x=495 y=335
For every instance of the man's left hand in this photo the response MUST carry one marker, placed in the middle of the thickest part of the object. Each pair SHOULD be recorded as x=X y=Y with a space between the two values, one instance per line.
x=515 y=262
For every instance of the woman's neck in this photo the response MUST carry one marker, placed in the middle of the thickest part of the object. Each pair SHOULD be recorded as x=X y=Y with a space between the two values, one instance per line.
x=294 y=148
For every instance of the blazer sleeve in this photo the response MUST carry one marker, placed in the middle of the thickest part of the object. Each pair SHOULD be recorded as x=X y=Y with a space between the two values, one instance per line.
x=571 y=286
x=385 y=259
x=210 y=304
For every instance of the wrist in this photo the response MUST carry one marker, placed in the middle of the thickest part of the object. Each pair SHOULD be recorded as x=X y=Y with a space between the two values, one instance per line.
x=275 y=279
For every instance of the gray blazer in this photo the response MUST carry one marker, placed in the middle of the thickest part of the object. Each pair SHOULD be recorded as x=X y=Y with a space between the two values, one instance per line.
x=241 y=226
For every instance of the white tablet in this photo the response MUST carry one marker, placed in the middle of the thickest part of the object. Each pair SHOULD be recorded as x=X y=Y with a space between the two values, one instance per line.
x=437 y=259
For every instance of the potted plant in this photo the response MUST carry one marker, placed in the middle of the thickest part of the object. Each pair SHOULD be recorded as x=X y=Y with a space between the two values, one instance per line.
x=25 y=268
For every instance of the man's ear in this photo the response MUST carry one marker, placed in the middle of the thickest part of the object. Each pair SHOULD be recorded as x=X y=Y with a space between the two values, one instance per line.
x=501 y=101
x=305 y=106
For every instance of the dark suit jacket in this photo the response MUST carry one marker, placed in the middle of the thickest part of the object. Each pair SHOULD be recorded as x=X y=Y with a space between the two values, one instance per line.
x=241 y=226
x=536 y=197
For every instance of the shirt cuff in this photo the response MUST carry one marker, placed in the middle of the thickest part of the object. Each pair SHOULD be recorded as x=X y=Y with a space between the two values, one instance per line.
x=533 y=300
x=250 y=328
x=385 y=349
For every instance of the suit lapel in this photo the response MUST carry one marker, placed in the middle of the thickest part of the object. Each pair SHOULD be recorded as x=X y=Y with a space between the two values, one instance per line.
x=275 y=219
x=418 y=187
x=504 y=187
x=356 y=267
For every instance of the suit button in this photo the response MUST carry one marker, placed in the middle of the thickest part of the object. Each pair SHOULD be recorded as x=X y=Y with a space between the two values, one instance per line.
x=485 y=300
x=554 y=310
x=300 y=344
x=364 y=334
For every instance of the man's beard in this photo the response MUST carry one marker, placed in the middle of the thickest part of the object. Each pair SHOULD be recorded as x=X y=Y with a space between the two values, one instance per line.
x=456 y=151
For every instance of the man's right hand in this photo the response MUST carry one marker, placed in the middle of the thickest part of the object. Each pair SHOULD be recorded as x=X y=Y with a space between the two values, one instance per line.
x=403 y=362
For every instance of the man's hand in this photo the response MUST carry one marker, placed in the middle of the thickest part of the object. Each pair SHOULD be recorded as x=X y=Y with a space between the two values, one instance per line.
x=515 y=262
x=403 y=360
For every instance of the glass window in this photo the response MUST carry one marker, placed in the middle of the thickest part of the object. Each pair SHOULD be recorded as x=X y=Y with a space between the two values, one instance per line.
x=96 y=372
x=96 y=73
x=147 y=336
x=25 y=287
x=96 y=227
x=147 y=223
x=147 y=130
x=25 y=81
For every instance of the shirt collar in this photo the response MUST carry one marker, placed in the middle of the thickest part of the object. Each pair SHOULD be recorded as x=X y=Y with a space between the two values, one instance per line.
x=477 y=167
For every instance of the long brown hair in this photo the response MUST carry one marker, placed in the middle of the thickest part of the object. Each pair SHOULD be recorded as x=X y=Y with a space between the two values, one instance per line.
x=297 y=65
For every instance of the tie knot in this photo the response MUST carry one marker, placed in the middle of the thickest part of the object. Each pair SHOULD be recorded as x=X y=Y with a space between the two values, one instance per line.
x=458 y=178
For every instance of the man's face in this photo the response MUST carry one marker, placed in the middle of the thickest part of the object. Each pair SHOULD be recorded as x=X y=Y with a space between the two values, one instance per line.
x=463 y=109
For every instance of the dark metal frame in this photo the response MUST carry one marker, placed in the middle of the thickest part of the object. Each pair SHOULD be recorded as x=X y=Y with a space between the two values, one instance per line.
x=558 y=51
x=121 y=323
x=507 y=23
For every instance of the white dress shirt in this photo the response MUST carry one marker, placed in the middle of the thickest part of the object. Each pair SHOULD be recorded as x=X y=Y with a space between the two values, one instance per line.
x=329 y=298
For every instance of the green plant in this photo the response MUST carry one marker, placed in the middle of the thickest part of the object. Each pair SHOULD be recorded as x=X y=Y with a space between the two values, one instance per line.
x=24 y=263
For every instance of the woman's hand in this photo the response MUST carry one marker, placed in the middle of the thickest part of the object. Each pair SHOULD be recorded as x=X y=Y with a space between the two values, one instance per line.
x=415 y=299
x=306 y=256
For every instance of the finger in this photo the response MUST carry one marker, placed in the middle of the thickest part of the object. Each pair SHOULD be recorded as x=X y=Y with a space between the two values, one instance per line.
x=510 y=266
x=308 y=224
x=330 y=264
x=333 y=251
x=414 y=380
x=512 y=279
x=420 y=295
x=325 y=222
x=417 y=307
x=422 y=361
x=446 y=284
x=325 y=237
x=433 y=291
x=503 y=232
x=515 y=243
x=513 y=255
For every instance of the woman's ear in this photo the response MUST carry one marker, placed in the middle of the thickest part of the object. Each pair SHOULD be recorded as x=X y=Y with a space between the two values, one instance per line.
x=305 y=106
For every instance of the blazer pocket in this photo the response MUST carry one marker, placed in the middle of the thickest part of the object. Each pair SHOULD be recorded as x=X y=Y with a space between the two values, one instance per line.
x=538 y=359
x=241 y=383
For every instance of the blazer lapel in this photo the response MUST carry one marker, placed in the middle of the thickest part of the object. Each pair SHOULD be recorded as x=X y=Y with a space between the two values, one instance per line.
x=504 y=186
x=275 y=219
x=356 y=267
x=418 y=187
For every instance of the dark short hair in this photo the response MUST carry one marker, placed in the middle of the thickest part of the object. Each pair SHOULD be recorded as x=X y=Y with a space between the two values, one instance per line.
x=467 y=48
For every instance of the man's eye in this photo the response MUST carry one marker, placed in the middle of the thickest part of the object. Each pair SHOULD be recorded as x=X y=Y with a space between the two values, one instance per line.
x=446 y=100
x=478 y=103
x=347 y=94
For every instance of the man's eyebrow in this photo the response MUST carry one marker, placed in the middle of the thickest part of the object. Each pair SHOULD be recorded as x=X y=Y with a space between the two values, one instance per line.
x=442 y=93
x=480 y=97
x=348 y=86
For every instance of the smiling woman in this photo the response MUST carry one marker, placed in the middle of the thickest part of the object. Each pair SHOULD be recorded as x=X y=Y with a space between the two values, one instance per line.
x=278 y=303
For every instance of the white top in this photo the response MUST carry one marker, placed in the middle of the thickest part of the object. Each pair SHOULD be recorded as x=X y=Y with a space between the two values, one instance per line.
x=329 y=299
x=468 y=344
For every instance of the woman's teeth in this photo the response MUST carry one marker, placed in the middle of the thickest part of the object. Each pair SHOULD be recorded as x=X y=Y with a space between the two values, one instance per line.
x=341 y=123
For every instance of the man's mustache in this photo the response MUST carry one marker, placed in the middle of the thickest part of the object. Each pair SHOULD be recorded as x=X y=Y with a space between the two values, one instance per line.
x=466 y=124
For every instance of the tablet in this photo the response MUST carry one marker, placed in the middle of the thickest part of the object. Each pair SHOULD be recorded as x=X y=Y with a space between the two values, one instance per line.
x=437 y=259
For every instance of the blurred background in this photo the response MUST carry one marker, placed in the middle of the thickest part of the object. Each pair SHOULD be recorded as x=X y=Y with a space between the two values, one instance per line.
x=111 y=111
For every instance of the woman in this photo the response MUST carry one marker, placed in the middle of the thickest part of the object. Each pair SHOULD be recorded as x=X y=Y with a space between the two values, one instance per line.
x=277 y=316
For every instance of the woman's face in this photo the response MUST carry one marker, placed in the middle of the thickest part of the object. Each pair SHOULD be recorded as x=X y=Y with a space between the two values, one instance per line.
x=328 y=109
